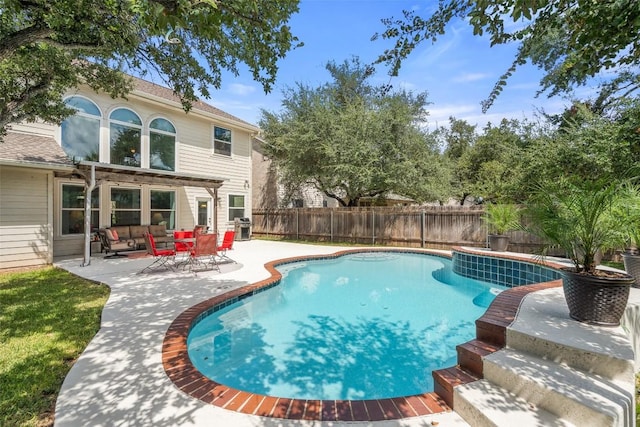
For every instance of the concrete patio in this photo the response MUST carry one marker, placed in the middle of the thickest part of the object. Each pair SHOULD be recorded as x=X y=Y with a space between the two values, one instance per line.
x=119 y=379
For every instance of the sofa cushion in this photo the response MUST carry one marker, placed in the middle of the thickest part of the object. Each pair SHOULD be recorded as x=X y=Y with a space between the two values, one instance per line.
x=112 y=235
x=137 y=231
x=158 y=230
x=122 y=232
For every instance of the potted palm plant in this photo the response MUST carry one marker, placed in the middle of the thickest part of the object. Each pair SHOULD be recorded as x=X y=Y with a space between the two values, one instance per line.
x=500 y=218
x=630 y=214
x=578 y=217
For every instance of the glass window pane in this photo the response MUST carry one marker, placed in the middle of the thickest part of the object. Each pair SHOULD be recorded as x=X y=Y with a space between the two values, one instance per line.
x=222 y=134
x=222 y=148
x=83 y=105
x=125 y=145
x=221 y=141
x=124 y=115
x=125 y=218
x=236 y=201
x=72 y=196
x=163 y=200
x=72 y=215
x=81 y=138
x=162 y=124
x=124 y=198
x=163 y=151
x=236 y=207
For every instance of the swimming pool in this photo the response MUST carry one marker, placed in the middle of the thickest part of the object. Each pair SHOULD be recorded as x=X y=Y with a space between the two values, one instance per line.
x=369 y=325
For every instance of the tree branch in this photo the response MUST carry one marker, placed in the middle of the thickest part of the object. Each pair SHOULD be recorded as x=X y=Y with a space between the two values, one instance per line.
x=21 y=38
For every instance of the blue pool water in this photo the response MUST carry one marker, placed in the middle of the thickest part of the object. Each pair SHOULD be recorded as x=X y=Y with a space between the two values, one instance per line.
x=360 y=326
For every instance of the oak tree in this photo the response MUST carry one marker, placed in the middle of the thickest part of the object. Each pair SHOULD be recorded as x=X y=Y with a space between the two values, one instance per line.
x=49 y=46
x=571 y=40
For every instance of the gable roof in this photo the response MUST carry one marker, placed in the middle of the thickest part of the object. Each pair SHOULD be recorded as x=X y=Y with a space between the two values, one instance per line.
x=143 y=87
x=37 y=150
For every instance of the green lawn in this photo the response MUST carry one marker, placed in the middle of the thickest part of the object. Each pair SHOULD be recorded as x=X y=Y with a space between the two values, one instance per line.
x=47 y=318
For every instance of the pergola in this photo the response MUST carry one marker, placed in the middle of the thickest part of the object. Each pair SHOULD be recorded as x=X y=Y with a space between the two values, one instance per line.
x=95 y=173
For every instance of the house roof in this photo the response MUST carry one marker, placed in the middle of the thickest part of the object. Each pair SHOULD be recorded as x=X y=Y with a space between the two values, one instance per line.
x=142 y=87
x=31 y=149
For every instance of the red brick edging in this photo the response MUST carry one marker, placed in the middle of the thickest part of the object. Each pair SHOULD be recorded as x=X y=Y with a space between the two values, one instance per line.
x=186 y=377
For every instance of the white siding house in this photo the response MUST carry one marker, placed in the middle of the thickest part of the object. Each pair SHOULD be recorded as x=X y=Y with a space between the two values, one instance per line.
x=268 y=193
x=151 y=161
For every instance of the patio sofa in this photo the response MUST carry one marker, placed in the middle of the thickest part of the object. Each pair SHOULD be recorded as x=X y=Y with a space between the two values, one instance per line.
x=131 y=237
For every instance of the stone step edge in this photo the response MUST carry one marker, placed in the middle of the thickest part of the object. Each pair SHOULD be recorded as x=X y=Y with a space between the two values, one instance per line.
x=580 y=397
x=482 y=403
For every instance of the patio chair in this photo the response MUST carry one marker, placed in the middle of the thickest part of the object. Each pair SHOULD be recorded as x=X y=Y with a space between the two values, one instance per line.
x=112 y=244
x=198 y=229
x=163 y=258
x=180 y=240
x=204 y=251
x=226 y=245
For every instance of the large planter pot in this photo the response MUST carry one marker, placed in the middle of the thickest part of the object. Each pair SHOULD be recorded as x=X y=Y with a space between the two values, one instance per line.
x=632 y=266
x=498 y=242
x=596 y=300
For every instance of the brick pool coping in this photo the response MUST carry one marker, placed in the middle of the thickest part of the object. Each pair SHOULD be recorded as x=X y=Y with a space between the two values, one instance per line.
x=186 y=377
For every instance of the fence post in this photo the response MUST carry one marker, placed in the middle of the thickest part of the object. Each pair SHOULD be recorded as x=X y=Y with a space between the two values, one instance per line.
x=331 y=227
x=423 y=226
x=298 y=224
x=373 y=227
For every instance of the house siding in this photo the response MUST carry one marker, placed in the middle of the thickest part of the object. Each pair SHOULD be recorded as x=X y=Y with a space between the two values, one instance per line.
x=30 y=201
x=25 y=233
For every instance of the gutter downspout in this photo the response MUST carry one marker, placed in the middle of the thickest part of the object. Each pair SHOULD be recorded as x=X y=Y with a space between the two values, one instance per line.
x=87 y=217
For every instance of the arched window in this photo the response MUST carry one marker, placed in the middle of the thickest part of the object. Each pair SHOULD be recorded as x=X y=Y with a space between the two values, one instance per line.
x=81 y=132
x=162 y=145
x=125 y=130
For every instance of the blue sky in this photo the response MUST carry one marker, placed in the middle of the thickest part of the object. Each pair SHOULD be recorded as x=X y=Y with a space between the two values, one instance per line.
x=457 y=72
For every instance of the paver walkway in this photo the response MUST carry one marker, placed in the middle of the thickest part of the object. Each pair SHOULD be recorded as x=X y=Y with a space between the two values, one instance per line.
x=119 y=379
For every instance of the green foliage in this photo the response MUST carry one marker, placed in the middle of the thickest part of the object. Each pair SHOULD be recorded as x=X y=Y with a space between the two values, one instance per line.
x=501 y=217
x=486 y=165
x=47 y=47
x=47 y=318
x=571 y=40
x=629 y=214
x=585 y=146
x=579 y=217
x=350 y=140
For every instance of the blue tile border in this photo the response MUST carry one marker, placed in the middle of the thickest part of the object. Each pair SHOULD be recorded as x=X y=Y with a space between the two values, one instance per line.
x=501 y=271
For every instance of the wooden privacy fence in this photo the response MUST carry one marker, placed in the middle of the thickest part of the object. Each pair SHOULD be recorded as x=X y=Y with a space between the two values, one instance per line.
x=437 y=227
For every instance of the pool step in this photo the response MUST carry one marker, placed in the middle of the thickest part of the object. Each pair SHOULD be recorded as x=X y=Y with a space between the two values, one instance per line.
x=585 y=399
x=471 y=353
x=483 y=404
x=445 y=381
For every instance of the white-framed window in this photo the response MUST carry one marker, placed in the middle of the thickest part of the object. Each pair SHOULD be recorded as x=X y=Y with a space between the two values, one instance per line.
x=162 y=145
x=125 y=131
x=125 y=206
x=221 y=141
x=236 y=207
x=72 y=207
x=163 y=208
x=80 y=133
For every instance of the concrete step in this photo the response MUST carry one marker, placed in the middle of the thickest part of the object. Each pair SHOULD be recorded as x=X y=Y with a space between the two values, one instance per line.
x=585 y=399
x=601 y=350
x=483 y=404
